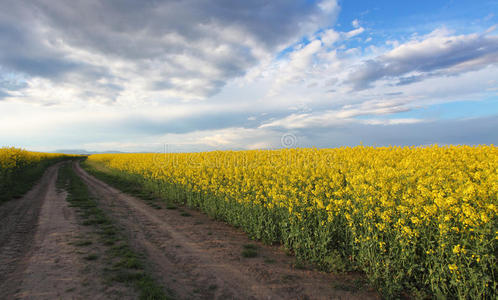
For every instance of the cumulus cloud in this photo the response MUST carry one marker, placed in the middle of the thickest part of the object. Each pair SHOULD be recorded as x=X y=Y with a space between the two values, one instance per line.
x=329 y=37
x=298 y=66
x=170 y=49
x=311 y=61
x=436 y=54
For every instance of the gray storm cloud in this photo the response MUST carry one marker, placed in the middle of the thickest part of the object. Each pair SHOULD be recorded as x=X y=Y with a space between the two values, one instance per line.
x=187 y=48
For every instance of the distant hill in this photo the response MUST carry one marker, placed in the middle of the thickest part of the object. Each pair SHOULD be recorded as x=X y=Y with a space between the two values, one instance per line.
x=84 y=152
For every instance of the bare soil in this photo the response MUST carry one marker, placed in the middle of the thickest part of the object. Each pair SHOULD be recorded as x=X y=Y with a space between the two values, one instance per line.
x=38 y=258
x=17 y=231
x=196 y=257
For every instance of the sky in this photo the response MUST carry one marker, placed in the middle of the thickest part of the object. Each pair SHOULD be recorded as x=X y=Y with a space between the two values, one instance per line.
x=194 y=75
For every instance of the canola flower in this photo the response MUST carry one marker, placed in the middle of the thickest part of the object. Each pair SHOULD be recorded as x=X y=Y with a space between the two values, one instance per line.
x=19 y=167
x=11 y=157
x=412 y=218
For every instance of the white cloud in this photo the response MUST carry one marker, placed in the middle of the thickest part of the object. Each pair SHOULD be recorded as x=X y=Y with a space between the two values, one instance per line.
x=329 y=37
x=436 y=54
x=354 y=32
x=328 y=6
x=392 y=121
x=158 y=49
x=346 y=115
x=296 y=68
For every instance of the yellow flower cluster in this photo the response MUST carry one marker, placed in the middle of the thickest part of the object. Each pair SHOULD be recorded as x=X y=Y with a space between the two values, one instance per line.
x=10 y=158
x=407 y=216
x=18 y=168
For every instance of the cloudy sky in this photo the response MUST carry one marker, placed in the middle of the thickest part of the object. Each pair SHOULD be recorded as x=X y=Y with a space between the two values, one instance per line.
x=194 y=75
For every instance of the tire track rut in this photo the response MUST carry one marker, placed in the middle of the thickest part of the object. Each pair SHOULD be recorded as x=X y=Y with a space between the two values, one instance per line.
x=18 y=226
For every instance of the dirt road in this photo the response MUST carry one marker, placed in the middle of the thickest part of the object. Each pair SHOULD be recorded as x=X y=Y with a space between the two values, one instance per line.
x=38 y=259
x=199 y=258
x=18 y=220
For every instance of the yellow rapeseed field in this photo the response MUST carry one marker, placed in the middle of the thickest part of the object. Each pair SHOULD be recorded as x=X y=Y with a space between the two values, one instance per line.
x=12 y=158
x=417 y=220
x=20 y=168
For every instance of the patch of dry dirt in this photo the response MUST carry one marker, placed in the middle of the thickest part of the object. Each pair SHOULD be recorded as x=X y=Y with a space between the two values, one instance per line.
x=38 y=258
x=19 y=218
x=199 y=258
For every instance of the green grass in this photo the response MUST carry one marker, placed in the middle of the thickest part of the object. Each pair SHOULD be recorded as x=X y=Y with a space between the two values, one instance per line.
x=127 y=185
x=355 y=285
x=83 y=243
x=127 y=266
x=250 y=250
x=250 y=247
x=249 y=253
x=91 y=257
x=269 y=261
x=299 y=264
